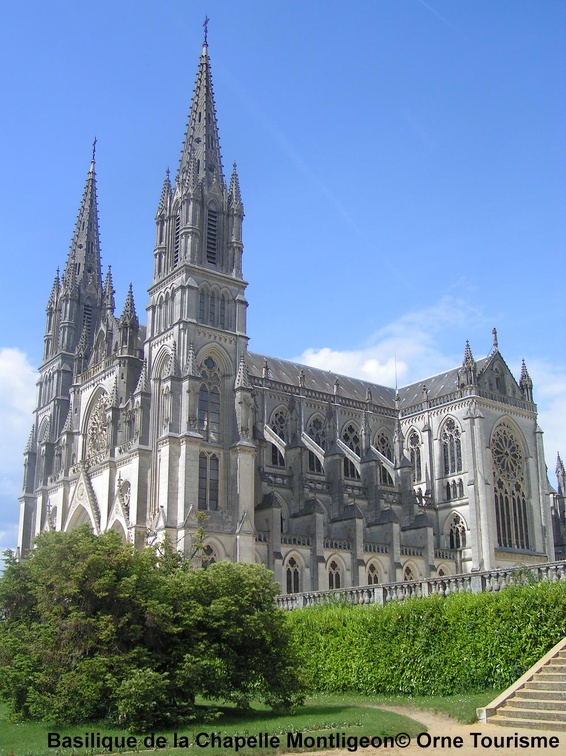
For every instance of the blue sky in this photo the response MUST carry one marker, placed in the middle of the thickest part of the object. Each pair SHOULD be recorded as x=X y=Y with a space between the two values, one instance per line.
x=402 y=164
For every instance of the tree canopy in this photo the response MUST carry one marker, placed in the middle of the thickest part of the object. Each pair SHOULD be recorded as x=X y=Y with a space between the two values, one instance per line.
x=93 y=630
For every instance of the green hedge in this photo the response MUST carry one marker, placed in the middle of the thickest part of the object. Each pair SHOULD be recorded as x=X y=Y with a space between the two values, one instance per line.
x=431 y=646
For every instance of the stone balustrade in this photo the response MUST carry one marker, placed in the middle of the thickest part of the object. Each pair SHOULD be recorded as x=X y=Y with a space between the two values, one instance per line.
x=474 y=582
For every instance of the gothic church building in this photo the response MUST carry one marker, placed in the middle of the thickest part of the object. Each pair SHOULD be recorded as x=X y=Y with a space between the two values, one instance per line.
x=328 y=480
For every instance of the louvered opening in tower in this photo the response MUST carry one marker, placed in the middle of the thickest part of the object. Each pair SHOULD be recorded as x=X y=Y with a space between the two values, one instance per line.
x=211 y=236
x=177 y=241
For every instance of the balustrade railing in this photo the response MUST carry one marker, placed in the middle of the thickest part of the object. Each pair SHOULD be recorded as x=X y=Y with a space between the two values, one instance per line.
x=474 y=582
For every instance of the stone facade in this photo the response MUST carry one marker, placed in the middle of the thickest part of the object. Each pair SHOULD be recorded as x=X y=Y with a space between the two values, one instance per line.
x=329 y=480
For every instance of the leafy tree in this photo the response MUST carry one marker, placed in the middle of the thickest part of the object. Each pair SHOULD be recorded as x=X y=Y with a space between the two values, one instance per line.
x=94 y=630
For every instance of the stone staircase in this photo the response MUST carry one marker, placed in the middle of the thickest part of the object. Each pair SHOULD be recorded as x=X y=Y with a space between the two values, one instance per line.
x=537 y=700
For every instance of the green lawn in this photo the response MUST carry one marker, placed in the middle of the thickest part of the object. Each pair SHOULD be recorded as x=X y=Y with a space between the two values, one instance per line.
x=352 y=714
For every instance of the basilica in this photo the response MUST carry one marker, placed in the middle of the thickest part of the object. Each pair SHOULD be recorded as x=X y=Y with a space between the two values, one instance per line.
x=165 y=429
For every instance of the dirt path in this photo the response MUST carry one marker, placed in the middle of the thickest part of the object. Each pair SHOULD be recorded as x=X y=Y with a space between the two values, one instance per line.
x=456 y=739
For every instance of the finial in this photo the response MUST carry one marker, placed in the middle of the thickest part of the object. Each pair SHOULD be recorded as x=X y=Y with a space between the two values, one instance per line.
x=94 y=150
x=205 y=27
x=495 y=344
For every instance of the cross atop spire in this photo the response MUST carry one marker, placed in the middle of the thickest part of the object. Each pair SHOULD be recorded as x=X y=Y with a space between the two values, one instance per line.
x=205 y=27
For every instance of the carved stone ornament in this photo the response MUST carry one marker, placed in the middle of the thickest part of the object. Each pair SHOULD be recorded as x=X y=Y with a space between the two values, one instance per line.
x=97 y=431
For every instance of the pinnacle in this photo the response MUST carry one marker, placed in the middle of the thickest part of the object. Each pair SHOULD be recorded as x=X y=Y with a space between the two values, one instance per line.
x=165 y=198
x=234 y=194
x=173 y=366
x=468 y=356
x=108 y=295
x=129 y=316
x=242 y=378
x=54 y=290
x=142 y=385
x=29 y=445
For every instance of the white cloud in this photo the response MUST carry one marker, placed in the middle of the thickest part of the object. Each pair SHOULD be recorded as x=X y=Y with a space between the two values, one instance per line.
x=414 y=342
x=549 y=389
x=17 y=400
x=407 y=346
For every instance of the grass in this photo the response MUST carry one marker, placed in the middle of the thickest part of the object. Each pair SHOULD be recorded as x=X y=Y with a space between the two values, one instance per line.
x=352 y=714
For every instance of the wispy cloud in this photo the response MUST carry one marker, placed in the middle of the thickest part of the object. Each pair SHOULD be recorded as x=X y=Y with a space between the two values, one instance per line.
x=408 y=347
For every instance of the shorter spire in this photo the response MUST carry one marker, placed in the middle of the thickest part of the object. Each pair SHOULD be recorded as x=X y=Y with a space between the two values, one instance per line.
x=113 y=401
x=166 y=192
x=234 y=194
x=468 y=372
x=242 y=378
x=525 y=383
x=142 y=386
x=129 y=316
x=468 y=356
x=173 y=365
x=190 y=367
x=108 y=301
x=54 y=296
x=30 y=444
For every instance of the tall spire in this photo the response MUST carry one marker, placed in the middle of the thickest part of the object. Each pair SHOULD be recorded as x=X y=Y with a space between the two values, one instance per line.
x=201 y=148
x=83 y=261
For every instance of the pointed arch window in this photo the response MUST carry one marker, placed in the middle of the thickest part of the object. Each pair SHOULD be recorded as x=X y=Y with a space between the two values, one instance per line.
x=451 y=448
x=415 y=454
x=457 y=532
x=316 y=430
x=408 y=574
x=208 y=556
x=351 y=437
x=373 y=575
x=293 y=575
x=212 y=309
x=510 y=498
x=208 y=479
x=384 y=446
x=279 y=424
x=209 y=401
x=334 y=575
x=222 y=312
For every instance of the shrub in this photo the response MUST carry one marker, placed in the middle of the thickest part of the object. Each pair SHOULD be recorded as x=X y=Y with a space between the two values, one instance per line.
x=430 y=646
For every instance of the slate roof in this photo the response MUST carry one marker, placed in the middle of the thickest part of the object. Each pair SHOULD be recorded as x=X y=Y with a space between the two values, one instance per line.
x=287 y=372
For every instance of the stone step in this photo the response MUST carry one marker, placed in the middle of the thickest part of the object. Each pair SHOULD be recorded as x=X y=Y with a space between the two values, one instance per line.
x=552 y=674
x=555 y=666
x=512 y=712
x=541 y=695
x=535 y=724
x=546 y=685
x=537 y=703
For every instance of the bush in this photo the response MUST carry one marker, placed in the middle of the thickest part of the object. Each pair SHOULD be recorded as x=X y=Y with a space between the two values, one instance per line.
x=430 y=646
x=94 y=630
